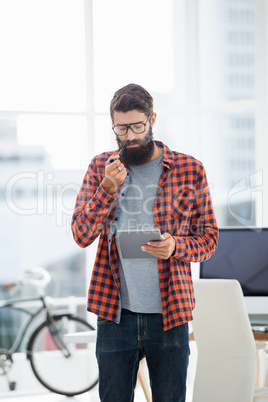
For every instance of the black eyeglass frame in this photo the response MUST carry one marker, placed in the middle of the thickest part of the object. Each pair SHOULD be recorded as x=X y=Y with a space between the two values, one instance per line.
x=129 y=126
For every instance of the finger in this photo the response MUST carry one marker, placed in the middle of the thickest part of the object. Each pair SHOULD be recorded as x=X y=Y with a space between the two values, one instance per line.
x=112 y=169
x=150 y=250
x=115 y=164
x=166 y=236
x=162 y=243
x=160 y=249
x=156 y=244
x=119 y=169
x=155 y=252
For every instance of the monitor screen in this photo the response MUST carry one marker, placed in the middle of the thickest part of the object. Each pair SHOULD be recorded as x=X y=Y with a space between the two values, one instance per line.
x=241 y=254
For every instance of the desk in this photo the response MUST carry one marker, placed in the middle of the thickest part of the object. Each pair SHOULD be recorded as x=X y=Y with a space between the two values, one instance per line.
x=91 y=336
x=258 y=336
x=261 y=336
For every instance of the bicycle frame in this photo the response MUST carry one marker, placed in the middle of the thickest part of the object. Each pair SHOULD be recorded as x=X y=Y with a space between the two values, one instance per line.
x=24 y=327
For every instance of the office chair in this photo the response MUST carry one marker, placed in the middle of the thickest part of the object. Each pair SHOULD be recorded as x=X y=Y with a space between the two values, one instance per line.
x=227 y=357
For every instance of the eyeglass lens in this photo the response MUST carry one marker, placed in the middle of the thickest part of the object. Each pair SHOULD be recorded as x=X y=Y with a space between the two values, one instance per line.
x=137 y=128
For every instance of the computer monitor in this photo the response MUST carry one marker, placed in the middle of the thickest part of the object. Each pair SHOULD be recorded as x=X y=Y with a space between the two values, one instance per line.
x=242 y=254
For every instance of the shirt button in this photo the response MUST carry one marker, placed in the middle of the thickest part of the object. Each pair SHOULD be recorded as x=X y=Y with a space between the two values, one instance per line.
x=115 y=219
x=123 y=194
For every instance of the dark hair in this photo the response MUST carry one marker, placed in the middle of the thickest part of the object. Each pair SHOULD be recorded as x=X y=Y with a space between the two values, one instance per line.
x=131 y=97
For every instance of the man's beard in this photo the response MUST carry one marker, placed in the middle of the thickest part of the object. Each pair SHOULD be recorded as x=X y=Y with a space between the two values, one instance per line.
x=137 y=155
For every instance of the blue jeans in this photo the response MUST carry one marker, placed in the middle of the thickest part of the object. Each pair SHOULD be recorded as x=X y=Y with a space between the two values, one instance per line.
x=120 y=347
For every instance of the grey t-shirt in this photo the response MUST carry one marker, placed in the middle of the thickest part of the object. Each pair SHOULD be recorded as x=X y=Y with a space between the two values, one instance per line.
x=139 y=277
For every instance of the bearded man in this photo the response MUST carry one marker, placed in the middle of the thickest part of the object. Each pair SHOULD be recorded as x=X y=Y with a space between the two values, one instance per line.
x=143 y=304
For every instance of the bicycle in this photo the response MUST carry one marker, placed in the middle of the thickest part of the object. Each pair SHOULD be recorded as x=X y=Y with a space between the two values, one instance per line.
x=65 y=368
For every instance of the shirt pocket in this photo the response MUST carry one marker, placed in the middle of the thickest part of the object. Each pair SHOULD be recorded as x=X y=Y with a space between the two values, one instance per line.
x=182 y=204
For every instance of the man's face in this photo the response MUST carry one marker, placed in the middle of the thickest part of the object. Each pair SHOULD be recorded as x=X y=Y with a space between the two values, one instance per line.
x=139 y=147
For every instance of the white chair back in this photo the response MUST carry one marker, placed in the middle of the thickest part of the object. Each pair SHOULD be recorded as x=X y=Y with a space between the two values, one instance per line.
x=226 y=364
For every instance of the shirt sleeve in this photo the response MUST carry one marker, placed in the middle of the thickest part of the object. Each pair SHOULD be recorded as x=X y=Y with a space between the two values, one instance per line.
x=93 y=206
x=202 y=239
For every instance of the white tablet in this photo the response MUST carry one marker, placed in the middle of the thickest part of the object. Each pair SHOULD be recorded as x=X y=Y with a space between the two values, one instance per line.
x=130 y=242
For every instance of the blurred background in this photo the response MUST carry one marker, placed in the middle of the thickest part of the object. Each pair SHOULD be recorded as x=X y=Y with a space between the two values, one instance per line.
x=204 y=61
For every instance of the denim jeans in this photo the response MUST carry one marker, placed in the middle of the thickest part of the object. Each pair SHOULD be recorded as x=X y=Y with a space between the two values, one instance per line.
x=120 y=347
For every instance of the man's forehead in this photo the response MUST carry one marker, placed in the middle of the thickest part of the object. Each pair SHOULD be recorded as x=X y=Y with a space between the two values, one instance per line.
x=132 y=116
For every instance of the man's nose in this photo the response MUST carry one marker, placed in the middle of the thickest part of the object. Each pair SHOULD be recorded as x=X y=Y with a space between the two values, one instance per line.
x=130 y=134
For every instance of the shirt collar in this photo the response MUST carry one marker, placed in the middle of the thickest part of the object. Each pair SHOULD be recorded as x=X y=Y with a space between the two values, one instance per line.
x=168 y=155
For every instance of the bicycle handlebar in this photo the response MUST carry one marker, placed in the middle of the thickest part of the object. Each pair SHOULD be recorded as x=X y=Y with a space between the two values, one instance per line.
x=39 y=277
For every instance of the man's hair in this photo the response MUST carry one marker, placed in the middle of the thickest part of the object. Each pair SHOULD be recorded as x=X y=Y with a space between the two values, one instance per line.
x=132 y=97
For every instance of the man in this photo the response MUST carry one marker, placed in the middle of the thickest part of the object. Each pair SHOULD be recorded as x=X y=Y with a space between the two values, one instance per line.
x=143 y=304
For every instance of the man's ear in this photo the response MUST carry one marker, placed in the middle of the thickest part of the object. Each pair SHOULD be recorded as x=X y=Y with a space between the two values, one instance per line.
x=153 y=118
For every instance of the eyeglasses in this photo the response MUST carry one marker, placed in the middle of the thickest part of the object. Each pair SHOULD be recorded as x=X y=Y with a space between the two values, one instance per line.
x=136 y=128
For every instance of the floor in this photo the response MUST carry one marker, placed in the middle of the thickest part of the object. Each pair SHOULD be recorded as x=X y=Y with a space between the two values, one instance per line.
x=91 y=396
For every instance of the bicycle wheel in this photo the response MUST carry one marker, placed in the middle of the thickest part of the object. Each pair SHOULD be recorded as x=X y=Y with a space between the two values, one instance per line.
x=65 y=368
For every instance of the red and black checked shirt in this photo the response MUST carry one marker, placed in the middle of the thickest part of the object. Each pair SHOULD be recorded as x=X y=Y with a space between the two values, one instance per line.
x=183 y=208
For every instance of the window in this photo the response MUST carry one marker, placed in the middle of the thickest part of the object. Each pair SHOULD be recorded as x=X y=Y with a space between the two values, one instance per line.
x=43 y=137
x=198 y=59
x=228 y=137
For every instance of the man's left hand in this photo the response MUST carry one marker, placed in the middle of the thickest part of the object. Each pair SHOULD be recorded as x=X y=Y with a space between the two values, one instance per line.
x=161 y=249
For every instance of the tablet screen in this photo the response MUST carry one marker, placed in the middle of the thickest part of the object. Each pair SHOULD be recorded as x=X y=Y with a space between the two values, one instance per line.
x=130 y=242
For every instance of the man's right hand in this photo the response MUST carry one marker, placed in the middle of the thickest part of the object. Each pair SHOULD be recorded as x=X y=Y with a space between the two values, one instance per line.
x=115 y=174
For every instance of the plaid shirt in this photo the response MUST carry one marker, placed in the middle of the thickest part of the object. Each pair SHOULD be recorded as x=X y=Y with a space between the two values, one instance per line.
x=183 y=208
